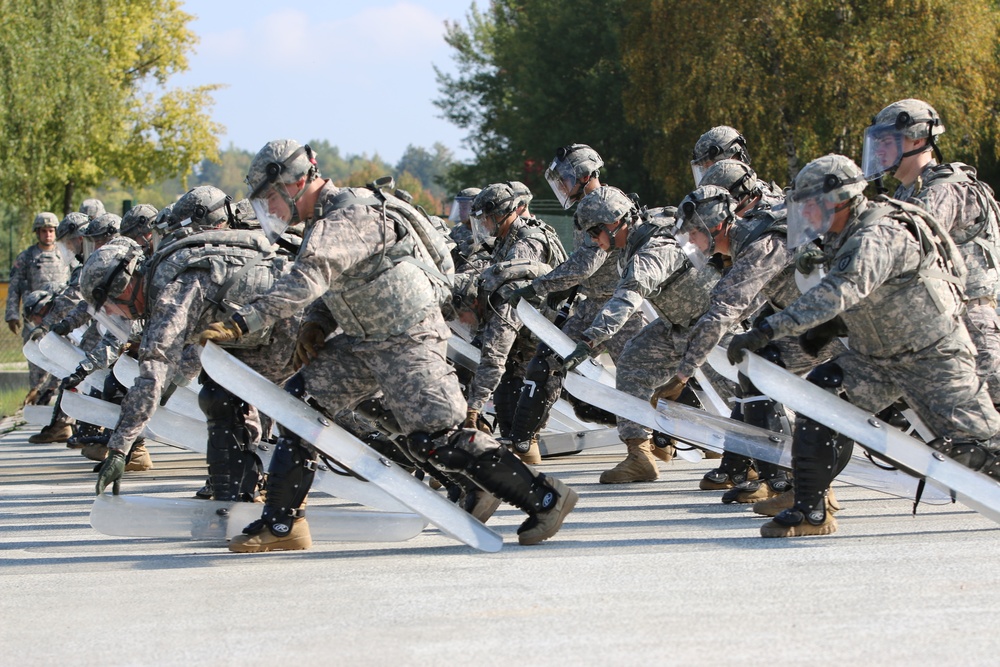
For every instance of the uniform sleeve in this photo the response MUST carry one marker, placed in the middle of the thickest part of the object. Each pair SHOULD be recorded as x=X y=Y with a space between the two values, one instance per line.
x=171 y=323
x=331 y=247
x=866 y=260
x=733 y=297
x=16 y=286
x=580 y=265
x=650 y=267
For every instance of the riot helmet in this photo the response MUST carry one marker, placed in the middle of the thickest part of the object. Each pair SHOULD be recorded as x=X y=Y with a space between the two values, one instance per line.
x=279 y=162
x=571 y=168
x=823 y=188
x=735 y=176
x=461 y=206
x=107 y=274
x=201 y=208
x=490 y=210
x=36 y=304
x=719 y=143
x=605 y=209
x=701 y=216
x=907 y=119
x=69 y=234
x=92 y=208
x=99 y=231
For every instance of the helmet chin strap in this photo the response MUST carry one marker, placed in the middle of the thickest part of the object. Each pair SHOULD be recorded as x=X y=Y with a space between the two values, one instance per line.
x=612 y=232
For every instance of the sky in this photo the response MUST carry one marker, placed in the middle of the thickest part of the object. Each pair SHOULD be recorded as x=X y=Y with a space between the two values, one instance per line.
x=358 y=74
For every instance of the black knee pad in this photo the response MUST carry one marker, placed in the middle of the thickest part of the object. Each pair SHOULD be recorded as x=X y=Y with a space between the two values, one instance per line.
x=828 y=376
x=539 y=392
x=458 y=450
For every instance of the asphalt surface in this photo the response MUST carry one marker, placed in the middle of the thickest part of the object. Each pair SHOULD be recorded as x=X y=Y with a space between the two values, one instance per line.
x=642 y=574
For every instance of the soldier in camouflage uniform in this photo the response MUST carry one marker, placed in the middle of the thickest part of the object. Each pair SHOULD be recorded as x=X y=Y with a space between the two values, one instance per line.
x=92 y=208
x=895 y=278
x=359 y=268
x=591 y=274
x=900 y=141
x=461 y=232
x=653 y=266
x=524 y=248
x=185 y=286
x=40 y=267
x=719 y=143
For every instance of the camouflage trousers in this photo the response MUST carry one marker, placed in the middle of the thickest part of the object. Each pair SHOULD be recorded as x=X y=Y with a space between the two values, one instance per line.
x=939 y=382
x=983 y=325
x=649 y=359
x=410 y=369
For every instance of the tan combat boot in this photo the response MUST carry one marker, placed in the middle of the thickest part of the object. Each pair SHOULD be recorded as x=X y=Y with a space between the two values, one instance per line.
x=543 y=525
x=297 y=539
x=95 y=452
x=58 y=432
x=139 y=459
x=638 y=466
x=533 y=456
x=775 y=529
x=784 y=501
x=665 y=454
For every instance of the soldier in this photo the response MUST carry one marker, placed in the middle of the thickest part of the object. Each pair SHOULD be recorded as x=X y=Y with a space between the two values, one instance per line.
x=677 y=282
x=593 y=273
x=524 y=248
x=92 y=208
x=191 y=281
x=895 y=279
x=40 y=267
x=356 y=267
x=900 y=141
x=461 y=232
x=720 y=143
x=137 y=224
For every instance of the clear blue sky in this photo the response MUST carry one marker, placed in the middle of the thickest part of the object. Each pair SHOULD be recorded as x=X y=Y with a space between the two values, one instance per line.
x=359 y=74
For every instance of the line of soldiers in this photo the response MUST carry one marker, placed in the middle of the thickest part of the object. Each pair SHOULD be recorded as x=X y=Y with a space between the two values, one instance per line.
x=343 y=296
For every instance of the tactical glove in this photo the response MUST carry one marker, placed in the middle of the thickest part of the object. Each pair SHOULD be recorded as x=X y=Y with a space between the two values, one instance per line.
x=61 y=328
x=309 y=343
x=220 y=332
x=668 y=392
x=76 y=377
x=474 y=420
x=111 y=472
x=819 y=336
x=527 y=292
x=751 y=341
x=580 y=354
x=807 y=260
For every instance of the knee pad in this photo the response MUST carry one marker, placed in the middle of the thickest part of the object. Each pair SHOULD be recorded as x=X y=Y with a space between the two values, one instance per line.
x=291 y=473
x=296 y=385
x=219 y=405
x=828 y=376
x=461 y=449
x=539 y=392
x=973 y=454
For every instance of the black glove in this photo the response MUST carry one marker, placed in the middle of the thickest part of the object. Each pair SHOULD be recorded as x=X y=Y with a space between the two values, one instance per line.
x=809 y=259
x=76 y=377
x=751 y=341
x=527 y=292
x=112 y=469
x=580 y=354
x=61 y=328
x=819 y=336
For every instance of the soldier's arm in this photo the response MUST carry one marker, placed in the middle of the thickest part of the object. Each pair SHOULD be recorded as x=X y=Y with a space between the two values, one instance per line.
x=865 y=261
x=733 y=297
x=580 y=265
x=497 y=339
x=14 y=289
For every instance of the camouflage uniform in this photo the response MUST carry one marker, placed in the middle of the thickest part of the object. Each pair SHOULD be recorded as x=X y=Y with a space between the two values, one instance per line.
x=34 y=269
x=461 y=234
x=653 y=267
x=525 y=243
x=969 y=215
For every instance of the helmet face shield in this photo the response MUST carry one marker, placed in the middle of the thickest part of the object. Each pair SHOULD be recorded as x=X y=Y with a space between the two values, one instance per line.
x=461 y=209
x=69 y=248
x=483 y=228
x=810 y=216
x=698 y=170
x=692 y=229
x=272 y=225
x=883 y=150
x=562 y=179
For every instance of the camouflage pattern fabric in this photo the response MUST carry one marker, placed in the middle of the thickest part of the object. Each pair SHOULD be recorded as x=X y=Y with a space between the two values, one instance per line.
x=34 y=269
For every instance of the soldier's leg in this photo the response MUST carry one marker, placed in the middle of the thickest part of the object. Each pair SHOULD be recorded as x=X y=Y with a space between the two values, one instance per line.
x=424 y=396
x=647 y=361
x=335 y=379
x=983 y=325
x=234 y=470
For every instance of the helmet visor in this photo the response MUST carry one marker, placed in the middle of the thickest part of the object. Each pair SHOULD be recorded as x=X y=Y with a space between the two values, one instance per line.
x=694 y=229
x=564 y=183
x=698 y=169
x=809 y=218
x=272 y=225
x=69 y=248
x=882 y=151
x=461 y=208
x=483 y=228
x=117 y=325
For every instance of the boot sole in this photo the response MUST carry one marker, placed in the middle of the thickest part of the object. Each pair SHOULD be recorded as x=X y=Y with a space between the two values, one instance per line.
x=805 y=529
x=627 y=481
x=571 y=498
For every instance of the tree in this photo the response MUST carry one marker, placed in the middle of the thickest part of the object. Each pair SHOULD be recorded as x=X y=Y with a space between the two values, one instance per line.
x=801 y=78
x=534 y=76
x=429 y=168
x=77 y=102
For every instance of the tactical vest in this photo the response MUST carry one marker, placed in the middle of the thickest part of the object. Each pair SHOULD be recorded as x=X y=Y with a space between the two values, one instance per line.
x=388 y=293
x=46 y=271
x=243 y=264
x=555 y=253
x=911 y=311
x=979 y=240
x=684 y=296
x=780 y=290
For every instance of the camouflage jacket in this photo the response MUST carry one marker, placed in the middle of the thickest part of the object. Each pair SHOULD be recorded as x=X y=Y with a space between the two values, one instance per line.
x=34 y=269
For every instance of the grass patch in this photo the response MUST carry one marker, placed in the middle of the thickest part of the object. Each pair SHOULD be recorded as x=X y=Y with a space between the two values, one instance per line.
x=10 y=346
x=10 y=402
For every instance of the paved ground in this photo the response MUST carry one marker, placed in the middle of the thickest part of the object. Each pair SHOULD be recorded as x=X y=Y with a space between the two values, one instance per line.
x=648 y=574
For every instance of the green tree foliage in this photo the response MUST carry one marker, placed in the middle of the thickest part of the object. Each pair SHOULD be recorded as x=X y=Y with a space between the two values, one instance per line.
x=430 y=168
x=534 y=76
x=83 y=98
x=642 y=80
x=801 y=78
